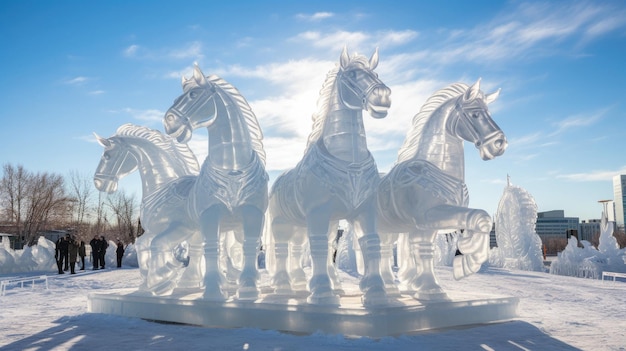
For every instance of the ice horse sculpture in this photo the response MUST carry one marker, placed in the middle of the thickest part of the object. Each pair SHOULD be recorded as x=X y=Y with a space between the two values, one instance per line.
x=425 y=191
x=519 y=246
x=230 y=193
x=336 y=179
x=168 y=170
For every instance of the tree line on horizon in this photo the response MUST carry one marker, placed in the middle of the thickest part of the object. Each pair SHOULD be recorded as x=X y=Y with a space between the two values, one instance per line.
x=33 y=203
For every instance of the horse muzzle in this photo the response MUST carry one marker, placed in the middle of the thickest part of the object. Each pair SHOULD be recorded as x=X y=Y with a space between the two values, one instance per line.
x=492 y=146
x=378 y=101
x=105 y=182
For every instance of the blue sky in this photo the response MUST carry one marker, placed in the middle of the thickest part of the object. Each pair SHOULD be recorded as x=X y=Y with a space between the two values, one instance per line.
x=71 y=68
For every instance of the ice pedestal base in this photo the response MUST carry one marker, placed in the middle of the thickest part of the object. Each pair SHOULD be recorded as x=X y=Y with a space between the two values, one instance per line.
x=294 y=315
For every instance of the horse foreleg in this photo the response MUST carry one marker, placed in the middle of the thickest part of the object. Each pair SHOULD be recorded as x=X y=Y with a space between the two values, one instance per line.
x=281 y=232
x=213 y=279
x=473 y=244
x=386 y=259
x=252 y=229
x=424 y=283
x=164 y=268
x=319 y=284
x=142 y=245
x=372 y=285
x=191 y=279
x=297 y=244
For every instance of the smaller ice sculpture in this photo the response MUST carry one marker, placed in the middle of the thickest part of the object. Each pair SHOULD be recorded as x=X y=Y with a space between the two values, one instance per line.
x=589 y=262
x=519 y=247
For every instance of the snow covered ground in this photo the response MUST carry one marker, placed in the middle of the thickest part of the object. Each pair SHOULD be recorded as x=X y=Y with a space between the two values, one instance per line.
x=555 y=313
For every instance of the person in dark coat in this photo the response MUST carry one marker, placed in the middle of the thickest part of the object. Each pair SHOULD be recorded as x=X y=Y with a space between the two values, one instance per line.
x=73 y=254
x=120 y=253
x=82 y=253
x=95 y=252
x=57 y=254
x=103 y=250
x=63 y=248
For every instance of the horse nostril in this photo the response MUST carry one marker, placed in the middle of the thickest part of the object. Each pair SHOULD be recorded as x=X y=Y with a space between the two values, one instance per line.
x=479 y=143
x=499 y=143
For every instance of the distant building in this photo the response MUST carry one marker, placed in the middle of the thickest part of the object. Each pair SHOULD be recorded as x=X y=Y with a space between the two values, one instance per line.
x=619 y=197
x=7 y=241
x=54 y=235
x=554 y=224
x=589 y=228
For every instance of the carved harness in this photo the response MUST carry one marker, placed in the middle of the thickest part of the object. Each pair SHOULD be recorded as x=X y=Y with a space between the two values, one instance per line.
x=353 y=183
x=231 y=188
x=407 y=175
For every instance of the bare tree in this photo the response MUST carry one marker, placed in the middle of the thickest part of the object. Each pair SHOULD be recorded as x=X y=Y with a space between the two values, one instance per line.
x=13 y=194
x=100 y=225
x=123 y=208
x=47 y=204
x=81 y=190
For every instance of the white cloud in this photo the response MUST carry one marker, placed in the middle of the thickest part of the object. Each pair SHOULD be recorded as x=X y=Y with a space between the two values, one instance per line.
x=131 y=51
x=77 y=80
x=581 y=120
x=518 y=32
x=191 y=50
x=355 y=41
x=318 y=16
x=150 y=115
x=593 y=176
x=96 y=92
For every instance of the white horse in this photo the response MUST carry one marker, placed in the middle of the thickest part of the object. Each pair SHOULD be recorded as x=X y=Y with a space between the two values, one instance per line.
x=231 y=190
x=336 y=179
x=425 y=191
x=167 y=170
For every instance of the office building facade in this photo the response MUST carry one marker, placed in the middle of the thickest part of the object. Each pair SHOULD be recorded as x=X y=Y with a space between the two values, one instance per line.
x=619 y=194
x=554 y=224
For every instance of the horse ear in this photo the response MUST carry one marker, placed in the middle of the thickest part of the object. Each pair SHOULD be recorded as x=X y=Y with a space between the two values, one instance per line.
x=489 y=98
x=198 y=75
x=104 y=142
x=374 y=60
x=472 y=92
x=345 y=58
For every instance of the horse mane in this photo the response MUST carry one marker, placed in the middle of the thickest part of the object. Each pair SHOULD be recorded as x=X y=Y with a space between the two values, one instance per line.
x=409 y=147
x=323 y=103
x=256 y=135
x=162 y=141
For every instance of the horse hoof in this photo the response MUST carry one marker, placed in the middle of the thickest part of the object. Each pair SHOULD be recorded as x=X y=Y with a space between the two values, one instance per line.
x=329 y=299
x=432 y=295
x=162 y=288
x=375 y=297
x=247 y=294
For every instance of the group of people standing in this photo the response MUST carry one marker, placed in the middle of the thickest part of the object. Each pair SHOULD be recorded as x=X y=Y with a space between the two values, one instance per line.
x=67 y=251
x=99 y=247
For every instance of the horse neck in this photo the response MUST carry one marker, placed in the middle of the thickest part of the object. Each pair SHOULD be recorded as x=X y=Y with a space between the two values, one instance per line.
x=155 y=166
x=343 y=132
x=439 y=145
x=230 y=146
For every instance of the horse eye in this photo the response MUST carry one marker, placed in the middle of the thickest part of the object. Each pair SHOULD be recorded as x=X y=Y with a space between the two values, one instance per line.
x=475 y=115
x=192 y=94
x=106 y=156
